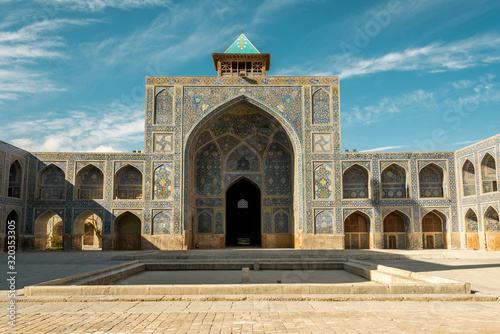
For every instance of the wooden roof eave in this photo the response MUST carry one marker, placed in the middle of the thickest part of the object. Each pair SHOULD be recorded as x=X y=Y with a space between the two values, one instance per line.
x=264 y=57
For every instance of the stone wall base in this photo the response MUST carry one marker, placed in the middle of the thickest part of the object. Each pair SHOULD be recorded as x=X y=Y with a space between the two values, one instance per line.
x=277 y=241
x=317 y=241
x=163 y=242
x=209 y=240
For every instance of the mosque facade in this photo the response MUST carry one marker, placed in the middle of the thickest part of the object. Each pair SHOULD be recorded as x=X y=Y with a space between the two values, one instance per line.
x=244 y=159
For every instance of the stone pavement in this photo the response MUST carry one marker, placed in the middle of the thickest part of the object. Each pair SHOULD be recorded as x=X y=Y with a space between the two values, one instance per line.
x=257 y=317
x=37 y=267
x=482 y=269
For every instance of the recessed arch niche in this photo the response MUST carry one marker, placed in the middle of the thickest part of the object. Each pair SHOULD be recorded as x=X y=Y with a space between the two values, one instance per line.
x=240 y=139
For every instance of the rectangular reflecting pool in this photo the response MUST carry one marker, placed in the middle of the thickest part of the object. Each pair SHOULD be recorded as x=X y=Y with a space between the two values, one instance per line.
x=235 y=276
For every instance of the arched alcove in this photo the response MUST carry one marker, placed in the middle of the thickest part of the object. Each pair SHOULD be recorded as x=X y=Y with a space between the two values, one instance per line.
x=355 y=182
x=128 y=183
x=87 y=231
x=48 y=231
x=15 y=179
x=357 y=231
x=468 y=179
x=393 y=180
x=127 y=232
x=488 y=174
x=394 y=226
x=432 y=228
x=89 y=183
x=51 y=183
x=240 y=139
x=431 y=181
x=472 y=229
x=492 y=228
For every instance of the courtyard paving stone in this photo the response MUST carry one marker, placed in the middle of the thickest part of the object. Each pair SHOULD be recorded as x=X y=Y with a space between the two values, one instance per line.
x=196 y=314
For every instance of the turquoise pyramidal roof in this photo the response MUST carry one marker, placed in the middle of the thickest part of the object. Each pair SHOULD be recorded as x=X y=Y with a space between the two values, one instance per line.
x=242 y=45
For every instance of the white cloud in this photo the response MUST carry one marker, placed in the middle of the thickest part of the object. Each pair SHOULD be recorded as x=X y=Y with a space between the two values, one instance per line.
x=470 y=52
x=269 y=8
x=169 y=40
x=111 y=129
x=26 y=46
x=432 y=58
x=98 y=5
x=388 y=107
x=14 y=83
x=467 y=142
x=462 y=84
x=465 y=96
x=385 y=148
x=33 y=31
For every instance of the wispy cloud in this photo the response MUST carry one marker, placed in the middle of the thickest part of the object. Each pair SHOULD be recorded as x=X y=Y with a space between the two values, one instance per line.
x=26 y=46
x=432 y=58
x=435 y=57
x=98 y=5
x=170 y=40
x=33 y=32
x=388 y=107
x=111 y=129
x=269 y=8
x=385 y=148
x=465 y=95
x=467 y=142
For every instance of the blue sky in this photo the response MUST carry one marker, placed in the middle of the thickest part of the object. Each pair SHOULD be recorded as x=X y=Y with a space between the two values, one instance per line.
x=414 y=75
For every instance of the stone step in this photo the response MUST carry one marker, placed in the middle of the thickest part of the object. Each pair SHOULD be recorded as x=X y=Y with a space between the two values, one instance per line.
x=238 y=265
x=371 y=272
x=89 y=275
x=273 y=254
x=111 y=276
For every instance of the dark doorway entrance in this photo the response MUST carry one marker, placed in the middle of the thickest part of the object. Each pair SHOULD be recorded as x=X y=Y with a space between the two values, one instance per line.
x=243 y=214
x=127 y=232
x=12 y=224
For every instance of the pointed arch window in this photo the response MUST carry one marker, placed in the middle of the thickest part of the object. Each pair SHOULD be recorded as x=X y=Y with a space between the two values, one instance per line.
x=128 y=183
x=355 y=182
x=89 y=183
x=469 y=179
x=431 y=181
x=471 y=224
x=15 y=180
x=488 y=174
x=394 y=182
x=51 y=183
x=491 y=220
x=164 y=107
x=321 y=107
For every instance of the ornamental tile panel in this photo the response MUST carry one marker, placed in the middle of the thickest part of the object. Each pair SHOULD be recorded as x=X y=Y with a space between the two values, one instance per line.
x=324 y=221
x=162 y=222
x=205 y=220
x=322 y=142
x=163 y=142
x=321 y=106
x=164 y=105
x=163 y=177
x=323 y=179
x=281 y=220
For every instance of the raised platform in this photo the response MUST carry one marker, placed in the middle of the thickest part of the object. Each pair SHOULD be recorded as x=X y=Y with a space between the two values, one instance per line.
x=379 y=279
x=284 y=254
